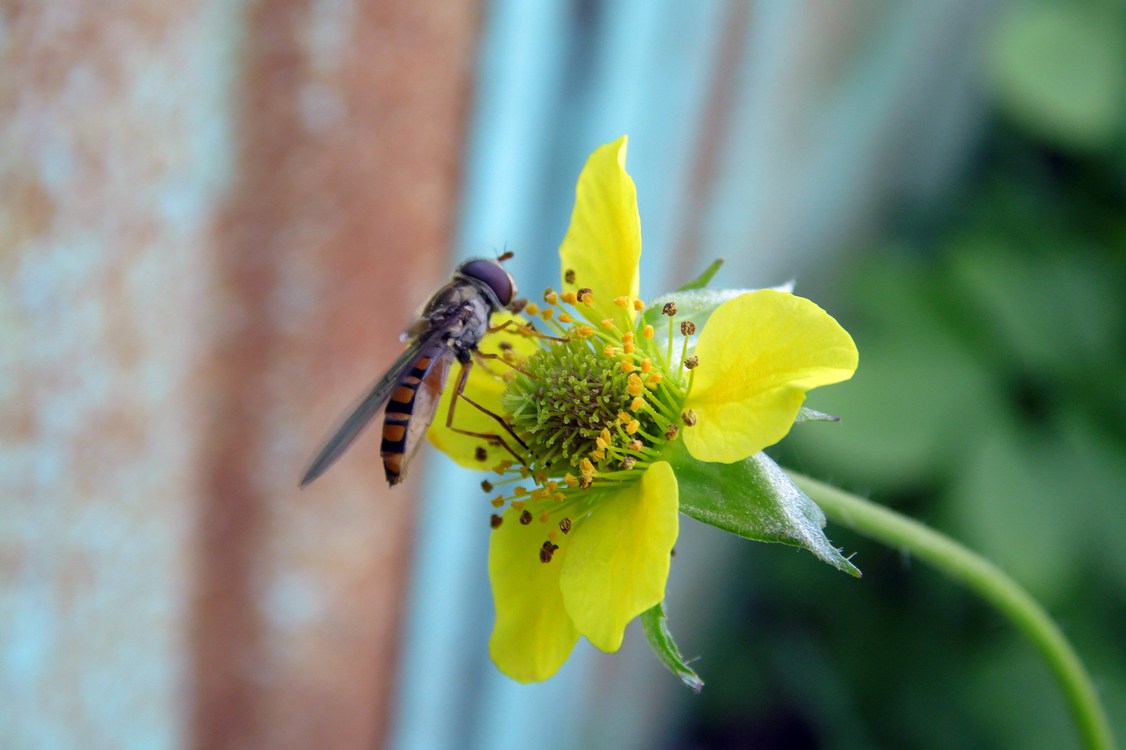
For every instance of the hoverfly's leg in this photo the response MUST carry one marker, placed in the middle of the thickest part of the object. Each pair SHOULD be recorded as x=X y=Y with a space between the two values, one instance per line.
x=487 y=355
x=459 y=392
x=526 y=328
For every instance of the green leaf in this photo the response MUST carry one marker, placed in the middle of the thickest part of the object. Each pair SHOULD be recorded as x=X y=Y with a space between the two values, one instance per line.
x=753 y=499
x=702 y=280
x=656 y=626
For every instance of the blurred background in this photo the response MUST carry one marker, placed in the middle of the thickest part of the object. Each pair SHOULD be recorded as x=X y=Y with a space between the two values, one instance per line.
x=216 y=217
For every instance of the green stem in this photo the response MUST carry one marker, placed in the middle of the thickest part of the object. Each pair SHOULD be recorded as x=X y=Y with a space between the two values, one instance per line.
x=980 y=575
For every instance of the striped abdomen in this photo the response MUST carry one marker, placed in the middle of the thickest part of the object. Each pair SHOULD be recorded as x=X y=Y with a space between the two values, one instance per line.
x=410 y=410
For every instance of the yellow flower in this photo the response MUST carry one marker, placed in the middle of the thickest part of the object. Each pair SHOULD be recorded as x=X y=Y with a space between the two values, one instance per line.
x=584 y=544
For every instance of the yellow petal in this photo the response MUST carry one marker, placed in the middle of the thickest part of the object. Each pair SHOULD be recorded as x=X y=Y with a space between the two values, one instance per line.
x=759 y=353
x=532 y=636
x=618 y=557
x=485 y=386
x=603 y=243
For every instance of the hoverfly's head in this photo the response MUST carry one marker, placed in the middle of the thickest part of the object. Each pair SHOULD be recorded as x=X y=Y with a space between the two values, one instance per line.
x=497 y=283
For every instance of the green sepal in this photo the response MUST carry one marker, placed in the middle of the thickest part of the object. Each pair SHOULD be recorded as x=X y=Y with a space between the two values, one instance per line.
x=702 y=280
x=696 y=305
x=812 y=415
x=754 y=499
x=655 y=623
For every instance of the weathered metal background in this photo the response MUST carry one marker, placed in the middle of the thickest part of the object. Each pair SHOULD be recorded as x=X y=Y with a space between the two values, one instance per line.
x=216 y=219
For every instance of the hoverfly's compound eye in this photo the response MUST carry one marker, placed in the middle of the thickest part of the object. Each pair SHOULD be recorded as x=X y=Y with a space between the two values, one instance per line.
x=492 y=274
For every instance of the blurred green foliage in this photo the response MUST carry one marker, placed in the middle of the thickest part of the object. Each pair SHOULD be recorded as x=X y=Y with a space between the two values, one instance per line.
x=990 y=403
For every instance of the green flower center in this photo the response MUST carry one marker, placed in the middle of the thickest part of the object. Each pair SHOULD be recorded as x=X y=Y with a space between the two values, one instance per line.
x=571 y=397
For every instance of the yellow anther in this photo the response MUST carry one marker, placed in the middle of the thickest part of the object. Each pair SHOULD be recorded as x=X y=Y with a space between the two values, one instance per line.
x=621 y=301
x=497 y=501
x=587 y=297
x=518 y=504
x=520 y=492
x=602 y=444
x=550 y=297
x=627 y=365
x=627 y=337
x=638 y=305
x=570 y=479
x=646 y=365
x=531 y=308
x=633 y=427
x=565 y=318
x=647 y=331
x=607 y=323
x=605 y=435
x=509 y=376
x=551 y=486
x=627 y=348
x=584 y=332
x=598 y=454
x=637 y=404
x=633 y=385
x=569 y=297
x=547 y=313
x=653 y=380
x=586 y=468
x=608 y=350
x=558 y=497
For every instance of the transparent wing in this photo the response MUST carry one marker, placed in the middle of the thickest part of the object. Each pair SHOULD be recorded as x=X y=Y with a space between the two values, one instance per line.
x=360 y=416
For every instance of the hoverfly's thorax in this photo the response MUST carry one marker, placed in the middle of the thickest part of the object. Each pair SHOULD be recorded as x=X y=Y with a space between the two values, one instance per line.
x=457 y=303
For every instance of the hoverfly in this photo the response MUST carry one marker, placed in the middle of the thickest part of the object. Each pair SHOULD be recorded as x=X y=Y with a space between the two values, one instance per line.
x=449 y=328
